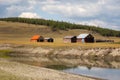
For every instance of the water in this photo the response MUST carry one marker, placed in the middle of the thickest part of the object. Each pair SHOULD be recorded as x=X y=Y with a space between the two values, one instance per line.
x=104 y=73
x=100 y=69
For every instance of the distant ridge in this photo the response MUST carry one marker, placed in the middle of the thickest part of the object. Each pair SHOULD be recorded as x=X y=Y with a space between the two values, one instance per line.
x=60 y=25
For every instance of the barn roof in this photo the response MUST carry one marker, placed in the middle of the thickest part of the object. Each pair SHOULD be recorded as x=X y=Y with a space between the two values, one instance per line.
x=35 y=37
x=82 y=35
x=69 y=37
x=48 y=38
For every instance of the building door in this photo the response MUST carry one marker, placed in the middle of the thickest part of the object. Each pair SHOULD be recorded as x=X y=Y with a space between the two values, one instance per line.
x=83 y=40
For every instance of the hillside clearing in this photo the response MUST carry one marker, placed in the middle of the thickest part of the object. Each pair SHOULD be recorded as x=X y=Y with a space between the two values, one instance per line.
x=20 y=33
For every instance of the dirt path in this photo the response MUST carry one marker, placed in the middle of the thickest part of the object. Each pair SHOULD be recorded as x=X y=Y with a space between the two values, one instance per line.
x=27 y=72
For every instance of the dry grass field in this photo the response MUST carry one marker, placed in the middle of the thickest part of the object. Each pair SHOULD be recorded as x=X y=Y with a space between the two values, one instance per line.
x=20 y=33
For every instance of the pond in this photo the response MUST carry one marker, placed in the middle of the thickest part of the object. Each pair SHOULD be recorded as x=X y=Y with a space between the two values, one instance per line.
x=104 y=73
x=94 y=68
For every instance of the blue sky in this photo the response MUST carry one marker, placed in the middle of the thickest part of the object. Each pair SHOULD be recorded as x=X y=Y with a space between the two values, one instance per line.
x=103 y=13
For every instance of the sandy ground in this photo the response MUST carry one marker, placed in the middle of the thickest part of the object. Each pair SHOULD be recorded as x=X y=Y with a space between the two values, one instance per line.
x=18 y=71
x=26 y=72
x=96 y=53
x=67 y=53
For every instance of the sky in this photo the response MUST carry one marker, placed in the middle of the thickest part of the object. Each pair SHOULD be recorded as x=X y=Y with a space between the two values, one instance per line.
x=102 y=13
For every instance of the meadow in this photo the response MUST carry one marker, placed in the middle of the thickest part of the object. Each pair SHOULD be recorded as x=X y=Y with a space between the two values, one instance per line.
x=21 y=33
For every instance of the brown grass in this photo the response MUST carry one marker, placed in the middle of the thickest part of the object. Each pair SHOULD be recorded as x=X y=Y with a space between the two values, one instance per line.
x=20 y=33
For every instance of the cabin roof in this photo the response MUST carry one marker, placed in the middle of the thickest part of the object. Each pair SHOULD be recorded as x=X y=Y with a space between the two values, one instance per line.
x=48 y=38
x=82 y=35
x=68 y=37
x=35 y=37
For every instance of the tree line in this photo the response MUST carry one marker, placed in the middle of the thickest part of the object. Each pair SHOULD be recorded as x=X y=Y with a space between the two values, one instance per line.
x=61 y=25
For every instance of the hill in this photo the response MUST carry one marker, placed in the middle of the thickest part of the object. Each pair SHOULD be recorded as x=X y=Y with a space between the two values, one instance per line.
x=17 y=29
x=27 y=30
x=57 y=25
x=21 y=33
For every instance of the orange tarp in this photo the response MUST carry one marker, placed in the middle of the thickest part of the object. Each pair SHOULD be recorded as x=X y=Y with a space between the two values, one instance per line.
x=35 y=37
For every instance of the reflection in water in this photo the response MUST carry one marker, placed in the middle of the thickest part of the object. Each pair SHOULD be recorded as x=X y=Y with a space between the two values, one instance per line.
x=46 y=62
x=58 y=67
x=104 y=73
x=95 y=68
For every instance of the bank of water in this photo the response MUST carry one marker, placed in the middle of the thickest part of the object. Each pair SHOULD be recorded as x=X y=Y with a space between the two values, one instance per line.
x=104 y=73
x=98 y=69
x=109 y=72
x=100 y=63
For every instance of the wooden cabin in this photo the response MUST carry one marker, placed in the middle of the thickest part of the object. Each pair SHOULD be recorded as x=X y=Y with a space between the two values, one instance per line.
x=85 y=38
x=37 y=38
x=70 y=39
x=49 y=40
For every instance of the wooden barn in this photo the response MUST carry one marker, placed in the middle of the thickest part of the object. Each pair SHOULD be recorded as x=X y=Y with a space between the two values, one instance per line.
x=37 y=38
x=71 y=39
x=49 y=40
x=88 y=38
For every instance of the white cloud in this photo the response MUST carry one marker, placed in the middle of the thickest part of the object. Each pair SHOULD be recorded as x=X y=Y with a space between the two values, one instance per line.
x=105 y=13
x=45 y=2
x=15 y=10
x=29 y=15
x=100 y=23
x=32 y=2
x=65 y=10
x=8 y=2
x=74 y=9
x=82 y=8
x=94 y=22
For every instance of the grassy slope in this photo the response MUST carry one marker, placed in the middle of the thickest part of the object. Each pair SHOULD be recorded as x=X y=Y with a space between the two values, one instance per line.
x=20 y=33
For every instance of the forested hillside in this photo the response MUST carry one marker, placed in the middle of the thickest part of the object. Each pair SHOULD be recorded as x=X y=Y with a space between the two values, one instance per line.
x=57 y=25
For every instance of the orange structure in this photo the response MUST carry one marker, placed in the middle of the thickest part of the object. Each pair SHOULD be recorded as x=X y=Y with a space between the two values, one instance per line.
x=37 y=38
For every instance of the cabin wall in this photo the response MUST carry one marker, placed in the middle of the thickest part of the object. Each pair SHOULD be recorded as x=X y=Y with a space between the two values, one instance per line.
x=79 y=40
x=41 y=39
x=89 y=39
x=50 y=40
x=67 y=40
x=73 y=40
x=45 y=40
x=85 y=40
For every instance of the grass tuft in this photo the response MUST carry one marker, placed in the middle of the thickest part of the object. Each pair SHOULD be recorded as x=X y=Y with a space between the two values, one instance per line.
x=4 y=53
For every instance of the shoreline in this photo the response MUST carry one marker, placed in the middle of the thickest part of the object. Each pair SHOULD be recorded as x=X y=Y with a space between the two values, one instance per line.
x=27 y=72
x=70 y=53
